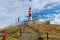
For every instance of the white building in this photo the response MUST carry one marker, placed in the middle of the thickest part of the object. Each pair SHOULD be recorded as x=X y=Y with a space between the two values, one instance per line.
x=51 y=22
x=37 y=21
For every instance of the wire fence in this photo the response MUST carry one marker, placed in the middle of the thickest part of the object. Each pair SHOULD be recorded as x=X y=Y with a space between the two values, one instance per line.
x=10 y=32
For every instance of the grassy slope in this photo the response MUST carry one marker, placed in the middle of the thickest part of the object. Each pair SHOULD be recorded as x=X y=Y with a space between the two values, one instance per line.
x=53 y=30
x=12 y=36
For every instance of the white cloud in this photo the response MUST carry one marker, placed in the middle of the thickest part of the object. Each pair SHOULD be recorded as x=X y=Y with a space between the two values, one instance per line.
x=53 y=5
x=11 y=9
x=40 y=4
x=54 y=18
x=57 y=10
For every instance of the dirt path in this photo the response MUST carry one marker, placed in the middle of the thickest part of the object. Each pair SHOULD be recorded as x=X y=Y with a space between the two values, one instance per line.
x=29 y=34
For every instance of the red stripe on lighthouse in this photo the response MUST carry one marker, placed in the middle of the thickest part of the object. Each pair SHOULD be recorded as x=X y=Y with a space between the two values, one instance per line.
x=30 y=15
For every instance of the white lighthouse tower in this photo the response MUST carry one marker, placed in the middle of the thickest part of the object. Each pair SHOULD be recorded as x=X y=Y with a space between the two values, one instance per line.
x=30 y=13
x=32 y=20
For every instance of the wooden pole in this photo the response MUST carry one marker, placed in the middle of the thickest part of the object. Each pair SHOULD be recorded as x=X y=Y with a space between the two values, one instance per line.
x=47 y=37
x=20 y=32
x=19 y=26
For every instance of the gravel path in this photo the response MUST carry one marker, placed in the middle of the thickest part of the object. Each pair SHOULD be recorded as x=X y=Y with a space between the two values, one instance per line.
x=29 y=34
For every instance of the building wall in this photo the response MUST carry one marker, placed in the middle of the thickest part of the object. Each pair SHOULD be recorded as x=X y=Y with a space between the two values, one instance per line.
x=37 y=22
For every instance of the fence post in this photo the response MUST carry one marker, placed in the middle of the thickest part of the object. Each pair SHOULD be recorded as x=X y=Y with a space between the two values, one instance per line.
x=20 y=31
x=47 y=36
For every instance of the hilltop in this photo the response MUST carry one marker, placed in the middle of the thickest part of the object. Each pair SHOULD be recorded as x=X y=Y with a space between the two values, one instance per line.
x=42 y=29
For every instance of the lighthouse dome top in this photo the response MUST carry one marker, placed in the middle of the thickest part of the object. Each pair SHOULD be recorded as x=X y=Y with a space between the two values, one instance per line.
x=30 y=8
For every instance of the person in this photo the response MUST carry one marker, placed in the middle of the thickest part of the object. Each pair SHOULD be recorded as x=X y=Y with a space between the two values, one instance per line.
x=4 y=35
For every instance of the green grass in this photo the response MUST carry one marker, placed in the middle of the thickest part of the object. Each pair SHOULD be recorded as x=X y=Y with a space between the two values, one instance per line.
x=11 y=38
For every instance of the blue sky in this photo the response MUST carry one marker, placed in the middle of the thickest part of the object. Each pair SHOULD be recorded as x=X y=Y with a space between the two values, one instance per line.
x=11 y=9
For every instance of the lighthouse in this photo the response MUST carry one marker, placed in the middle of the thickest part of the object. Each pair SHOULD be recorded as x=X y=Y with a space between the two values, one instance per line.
x=30 y=13
x=32 y=20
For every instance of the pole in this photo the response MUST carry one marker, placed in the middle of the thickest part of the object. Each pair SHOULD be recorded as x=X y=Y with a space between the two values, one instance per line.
x=20 y=32
x=19 y=26
x=48 y=30
x=47 y=37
